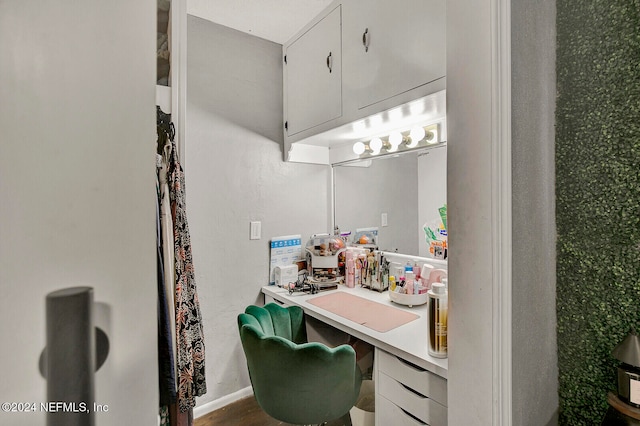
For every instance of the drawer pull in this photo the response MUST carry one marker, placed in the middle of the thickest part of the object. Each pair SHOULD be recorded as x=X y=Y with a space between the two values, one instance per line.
x=366 y=39
x=412 y=416
x=410 y=364
x=413 y=391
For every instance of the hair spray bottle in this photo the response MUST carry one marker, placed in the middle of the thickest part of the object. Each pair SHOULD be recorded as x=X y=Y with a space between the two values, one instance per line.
x=437 y=308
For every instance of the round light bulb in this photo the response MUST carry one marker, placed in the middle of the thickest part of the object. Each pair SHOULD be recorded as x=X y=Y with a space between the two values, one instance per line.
x=395 y=139
x=416 y=135
x=375 y=145
x=432 y=138
x=358 y=148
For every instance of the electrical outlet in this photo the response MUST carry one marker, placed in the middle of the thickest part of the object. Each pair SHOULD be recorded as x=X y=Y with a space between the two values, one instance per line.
x=255 y=230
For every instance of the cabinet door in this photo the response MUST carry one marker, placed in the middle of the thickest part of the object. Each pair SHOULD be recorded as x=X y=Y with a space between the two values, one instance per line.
x=313 y=75
x=401 y=46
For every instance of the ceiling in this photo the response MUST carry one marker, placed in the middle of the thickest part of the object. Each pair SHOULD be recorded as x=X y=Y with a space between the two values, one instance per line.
x=274 y=20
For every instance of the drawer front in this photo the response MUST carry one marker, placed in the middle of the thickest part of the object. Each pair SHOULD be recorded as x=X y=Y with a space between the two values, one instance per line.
x=419 y=406
x=388 y=414
x=269 y=299
x=418 y=379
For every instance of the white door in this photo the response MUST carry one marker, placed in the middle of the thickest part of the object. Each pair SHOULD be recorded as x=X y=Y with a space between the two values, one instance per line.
x=77 y=187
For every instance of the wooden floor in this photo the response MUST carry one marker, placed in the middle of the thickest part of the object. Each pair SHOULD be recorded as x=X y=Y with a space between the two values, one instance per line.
x=245 y=412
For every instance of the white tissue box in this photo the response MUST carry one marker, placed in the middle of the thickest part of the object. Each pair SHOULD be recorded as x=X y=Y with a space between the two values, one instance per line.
x=286 y=274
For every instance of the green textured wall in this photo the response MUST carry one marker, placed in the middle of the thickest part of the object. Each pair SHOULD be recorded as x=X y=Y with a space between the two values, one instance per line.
x=598 y=197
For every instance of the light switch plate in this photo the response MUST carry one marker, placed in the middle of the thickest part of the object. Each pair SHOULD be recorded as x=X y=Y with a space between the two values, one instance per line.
x=255 y=230
x=384 y=220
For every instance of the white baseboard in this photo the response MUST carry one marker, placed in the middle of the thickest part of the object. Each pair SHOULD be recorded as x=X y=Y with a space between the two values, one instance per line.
x=201 y=410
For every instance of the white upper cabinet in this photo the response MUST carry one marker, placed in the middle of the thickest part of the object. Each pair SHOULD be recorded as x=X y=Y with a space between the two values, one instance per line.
x=313 y=75
x=392 y=47
x=347 y=72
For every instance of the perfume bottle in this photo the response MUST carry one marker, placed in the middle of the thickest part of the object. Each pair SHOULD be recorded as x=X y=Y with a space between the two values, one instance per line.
x=437 y=311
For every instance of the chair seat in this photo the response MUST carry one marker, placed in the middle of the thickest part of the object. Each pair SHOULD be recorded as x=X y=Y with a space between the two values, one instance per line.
x=293 y=380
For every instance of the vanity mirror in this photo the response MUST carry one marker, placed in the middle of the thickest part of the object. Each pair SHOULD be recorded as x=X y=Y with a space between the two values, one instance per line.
x=397 y=194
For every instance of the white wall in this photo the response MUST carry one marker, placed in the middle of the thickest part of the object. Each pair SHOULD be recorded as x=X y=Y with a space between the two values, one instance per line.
x=77 y=186
x=235 y=174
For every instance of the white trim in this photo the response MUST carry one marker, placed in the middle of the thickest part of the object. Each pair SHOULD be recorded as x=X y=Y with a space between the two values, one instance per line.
x=501 y=207
x=210 y=406
x=303 y=153
x=178 y=68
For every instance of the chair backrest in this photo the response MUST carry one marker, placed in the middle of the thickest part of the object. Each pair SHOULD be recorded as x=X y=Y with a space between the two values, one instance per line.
x=275 y=320
x=295 y=381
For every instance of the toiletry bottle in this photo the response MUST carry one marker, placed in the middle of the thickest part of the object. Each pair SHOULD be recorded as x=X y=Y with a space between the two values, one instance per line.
x=348 y=254
x=437 y=311
x=416 y=271
x=408 y=267
x=409 y=282
x=351 y=273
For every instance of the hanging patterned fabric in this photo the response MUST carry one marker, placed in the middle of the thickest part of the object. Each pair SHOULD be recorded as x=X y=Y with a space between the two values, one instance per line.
x=189 y=334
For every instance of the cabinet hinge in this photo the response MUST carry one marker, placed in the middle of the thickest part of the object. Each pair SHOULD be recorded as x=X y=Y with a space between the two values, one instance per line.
x=286 y=125
x=285 y=59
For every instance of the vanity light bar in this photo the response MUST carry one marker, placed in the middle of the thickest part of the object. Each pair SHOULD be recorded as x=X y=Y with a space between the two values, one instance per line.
x=409 y=139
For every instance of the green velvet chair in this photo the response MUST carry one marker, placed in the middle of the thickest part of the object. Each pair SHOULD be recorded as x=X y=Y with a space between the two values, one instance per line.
x=295 y=381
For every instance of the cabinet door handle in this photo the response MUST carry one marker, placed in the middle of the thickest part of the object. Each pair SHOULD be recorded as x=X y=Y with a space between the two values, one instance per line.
x=330 y=62
x=366 y=39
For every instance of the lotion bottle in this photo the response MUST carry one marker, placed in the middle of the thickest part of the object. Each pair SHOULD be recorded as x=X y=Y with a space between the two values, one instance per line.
x=351 y=273
x=437 y=311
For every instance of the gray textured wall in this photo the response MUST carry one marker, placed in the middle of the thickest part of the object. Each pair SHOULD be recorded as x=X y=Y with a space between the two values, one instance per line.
x=235 y=174
x=535 y=374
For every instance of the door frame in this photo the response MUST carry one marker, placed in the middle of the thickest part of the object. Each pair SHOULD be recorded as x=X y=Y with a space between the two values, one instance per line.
x=479 y=195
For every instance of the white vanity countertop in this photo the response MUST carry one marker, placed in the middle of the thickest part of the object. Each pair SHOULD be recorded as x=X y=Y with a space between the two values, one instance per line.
x=408 y=341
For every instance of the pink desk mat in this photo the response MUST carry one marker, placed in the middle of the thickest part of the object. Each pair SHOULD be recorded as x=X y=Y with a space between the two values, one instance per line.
x=365 y=312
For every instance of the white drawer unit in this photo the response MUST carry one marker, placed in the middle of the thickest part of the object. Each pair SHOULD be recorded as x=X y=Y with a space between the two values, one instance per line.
x=418 y=379
x=419 y=406
x=408 y=394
